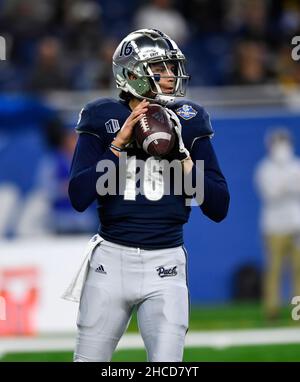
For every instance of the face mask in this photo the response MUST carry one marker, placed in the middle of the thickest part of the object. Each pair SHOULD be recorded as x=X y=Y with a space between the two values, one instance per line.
x=281 y=152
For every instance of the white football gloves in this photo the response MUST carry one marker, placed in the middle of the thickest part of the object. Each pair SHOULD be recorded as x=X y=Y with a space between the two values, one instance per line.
x=179 y=151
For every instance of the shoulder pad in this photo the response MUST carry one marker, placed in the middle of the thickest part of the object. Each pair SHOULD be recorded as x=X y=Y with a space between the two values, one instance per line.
x=102 y=118
x=195 y=121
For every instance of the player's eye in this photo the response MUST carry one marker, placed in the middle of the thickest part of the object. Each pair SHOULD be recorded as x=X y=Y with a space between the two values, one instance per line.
x=159 y=69
x=165 y=70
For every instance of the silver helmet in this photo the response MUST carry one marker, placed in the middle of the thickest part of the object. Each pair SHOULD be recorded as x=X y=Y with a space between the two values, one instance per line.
x=132 y=65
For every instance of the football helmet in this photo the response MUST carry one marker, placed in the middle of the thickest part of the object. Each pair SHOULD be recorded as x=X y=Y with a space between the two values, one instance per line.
x=132 y=65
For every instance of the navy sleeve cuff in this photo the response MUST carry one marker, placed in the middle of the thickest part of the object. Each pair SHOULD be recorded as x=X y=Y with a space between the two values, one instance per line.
x=109 y=155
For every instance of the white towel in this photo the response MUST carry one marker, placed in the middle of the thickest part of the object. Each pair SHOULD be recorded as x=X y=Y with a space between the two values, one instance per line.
x=73 y=292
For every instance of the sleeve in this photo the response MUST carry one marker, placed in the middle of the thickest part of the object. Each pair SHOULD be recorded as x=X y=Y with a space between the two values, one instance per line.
x=200 y=126
x=83 y=175
x=86 y=122
x=195 y=121
x=216 y=195
x=203 y=129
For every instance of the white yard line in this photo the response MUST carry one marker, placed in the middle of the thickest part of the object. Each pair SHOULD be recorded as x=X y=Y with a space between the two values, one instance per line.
x=215 y=339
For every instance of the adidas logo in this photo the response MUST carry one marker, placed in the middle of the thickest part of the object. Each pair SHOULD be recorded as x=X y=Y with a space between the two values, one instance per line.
x=100 y=269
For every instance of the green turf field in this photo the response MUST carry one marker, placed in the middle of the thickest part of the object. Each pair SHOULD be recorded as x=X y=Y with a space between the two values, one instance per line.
x=232 y=316
x=267 y=353
x=237 y=316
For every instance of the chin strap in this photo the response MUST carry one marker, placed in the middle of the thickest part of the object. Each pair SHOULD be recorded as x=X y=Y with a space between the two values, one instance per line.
x=165 y=99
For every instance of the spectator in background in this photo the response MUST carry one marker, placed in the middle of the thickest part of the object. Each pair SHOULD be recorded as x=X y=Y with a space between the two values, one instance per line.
x=252 y=24
x=52 y=181
x=24 y=23
x=250 y=66
x=95 y=73
x=104 y=77
x=287 y=70
x=49 y=72
x=82 y=25
x=289 y=20
x=161 y=15
x=249 y=19
x=204 y=16
x=278 y=181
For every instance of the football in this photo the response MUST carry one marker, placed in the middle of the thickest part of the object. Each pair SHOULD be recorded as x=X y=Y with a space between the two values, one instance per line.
x=154 y=133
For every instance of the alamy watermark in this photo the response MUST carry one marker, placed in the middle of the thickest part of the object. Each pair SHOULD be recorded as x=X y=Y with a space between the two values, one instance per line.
x=2 y=308
x=296 y=310
x=2 y=48
x=296 y=50
x=153 y=178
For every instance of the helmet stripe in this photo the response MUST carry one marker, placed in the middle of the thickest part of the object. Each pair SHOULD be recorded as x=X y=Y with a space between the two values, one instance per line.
x=169 y=43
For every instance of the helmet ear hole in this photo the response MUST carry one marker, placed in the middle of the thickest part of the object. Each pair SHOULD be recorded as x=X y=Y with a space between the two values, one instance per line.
x=132 y=76
x=129 y=75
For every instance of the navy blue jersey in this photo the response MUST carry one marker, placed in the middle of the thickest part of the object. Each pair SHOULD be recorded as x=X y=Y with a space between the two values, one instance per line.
x=138 y=221
x=105 y=116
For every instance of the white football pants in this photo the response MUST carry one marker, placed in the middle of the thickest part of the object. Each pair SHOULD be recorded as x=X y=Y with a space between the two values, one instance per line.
x=121 y=278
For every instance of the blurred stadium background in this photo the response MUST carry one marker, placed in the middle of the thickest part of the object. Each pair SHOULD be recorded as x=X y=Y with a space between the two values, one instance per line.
x=58 y=58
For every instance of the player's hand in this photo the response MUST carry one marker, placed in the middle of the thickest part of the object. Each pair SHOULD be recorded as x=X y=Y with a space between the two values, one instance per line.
x=179 y=151
x=124 y=136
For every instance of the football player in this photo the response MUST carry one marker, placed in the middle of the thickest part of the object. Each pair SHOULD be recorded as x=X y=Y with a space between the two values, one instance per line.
x=140 y=262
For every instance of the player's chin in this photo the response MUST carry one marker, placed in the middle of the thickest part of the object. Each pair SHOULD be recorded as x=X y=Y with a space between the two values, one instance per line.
x=168 y=91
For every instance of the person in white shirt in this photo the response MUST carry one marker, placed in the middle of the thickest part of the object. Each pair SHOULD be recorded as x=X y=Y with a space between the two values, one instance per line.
x=277 y=178
x=161 y=15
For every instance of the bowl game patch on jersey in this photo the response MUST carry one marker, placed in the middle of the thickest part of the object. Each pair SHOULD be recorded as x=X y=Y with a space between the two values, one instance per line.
x=186 y=112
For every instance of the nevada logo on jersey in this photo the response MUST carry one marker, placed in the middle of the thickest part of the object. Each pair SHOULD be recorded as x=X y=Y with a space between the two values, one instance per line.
x=186 y=112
